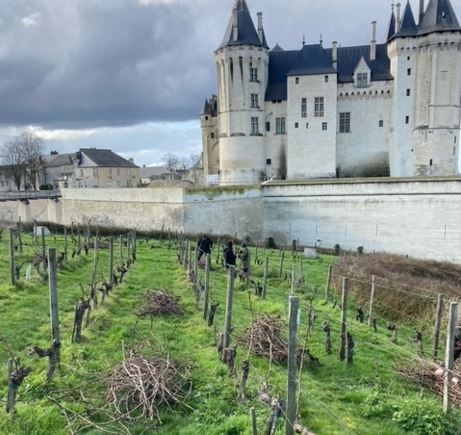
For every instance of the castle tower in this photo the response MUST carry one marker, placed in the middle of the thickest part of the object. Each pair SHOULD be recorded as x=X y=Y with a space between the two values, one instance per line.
x=242 y=74
x=438 y=91
x=426 y=65
x=210 y=137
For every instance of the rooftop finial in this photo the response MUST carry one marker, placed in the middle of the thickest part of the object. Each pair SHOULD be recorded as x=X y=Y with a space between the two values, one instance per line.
x=304 y=39
x=321 y=38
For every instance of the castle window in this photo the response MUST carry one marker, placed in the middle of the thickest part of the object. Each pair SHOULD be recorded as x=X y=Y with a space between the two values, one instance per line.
x=324 y=126
x=268 y=126
x=212 y=135
x=253 y=74
x=307 y=125
x=408 y=92
x=206 y=118
x=407 y=119
x=304 y=108
x=268 y=161
x=345 y=122
x=319 y=107
x=254 y=125
x=381 y=123
x=254 y=101
x=280 y=126
x=409 y=72
x=362 y=80
x=454 y=151
x=326 y=79
x=430 y=162
x=297 y=80
x=296 y=124
x=408 y=57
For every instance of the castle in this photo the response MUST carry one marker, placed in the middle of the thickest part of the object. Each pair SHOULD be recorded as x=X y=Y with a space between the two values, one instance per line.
x=376 y=109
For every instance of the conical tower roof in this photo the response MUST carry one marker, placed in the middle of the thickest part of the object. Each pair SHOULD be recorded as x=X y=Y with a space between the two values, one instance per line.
x=408 y=26
x=391 y=31
x=439 y=17
x=246 y=31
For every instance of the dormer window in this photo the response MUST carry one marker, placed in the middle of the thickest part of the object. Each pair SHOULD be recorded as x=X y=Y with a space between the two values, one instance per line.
x=362 y=80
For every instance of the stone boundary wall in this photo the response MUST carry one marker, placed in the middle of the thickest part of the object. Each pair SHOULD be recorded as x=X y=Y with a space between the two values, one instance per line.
x=419 y=218
x=415 y=217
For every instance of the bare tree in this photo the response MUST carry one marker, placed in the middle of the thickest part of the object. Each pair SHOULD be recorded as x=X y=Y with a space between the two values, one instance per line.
x=12 y=157
x=32 y=153
x=172 y=164
x=23 y=156
x=195 y=161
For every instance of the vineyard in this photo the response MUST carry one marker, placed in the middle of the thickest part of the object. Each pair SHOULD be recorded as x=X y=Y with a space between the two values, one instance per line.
x=144 y=339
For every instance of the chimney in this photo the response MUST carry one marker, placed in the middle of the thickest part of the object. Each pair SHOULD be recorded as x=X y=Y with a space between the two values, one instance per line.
x=260 y=26
x=334 y=54
x=397 y=17
x=235 y=29
x=373 y=41
x=421 y=11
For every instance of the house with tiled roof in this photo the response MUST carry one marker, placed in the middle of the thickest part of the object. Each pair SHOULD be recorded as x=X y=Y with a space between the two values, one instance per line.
x=378 y=109
x=102 y=168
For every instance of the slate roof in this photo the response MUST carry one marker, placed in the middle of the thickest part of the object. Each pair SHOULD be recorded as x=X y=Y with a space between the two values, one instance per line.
x=311 y=60
x=438 y=17
x=314 y=59
x=57 y=160
x=210 y=107
x=107 y=158
x=247 y=34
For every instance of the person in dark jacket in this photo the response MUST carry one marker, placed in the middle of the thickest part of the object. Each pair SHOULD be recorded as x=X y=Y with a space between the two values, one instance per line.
x=229 y=255
x=205 y=245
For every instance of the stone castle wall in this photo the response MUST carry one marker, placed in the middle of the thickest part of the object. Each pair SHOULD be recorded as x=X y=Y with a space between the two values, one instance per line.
x=415 y=217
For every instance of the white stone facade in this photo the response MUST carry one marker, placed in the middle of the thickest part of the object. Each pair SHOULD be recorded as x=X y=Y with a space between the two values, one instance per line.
x=396 y=111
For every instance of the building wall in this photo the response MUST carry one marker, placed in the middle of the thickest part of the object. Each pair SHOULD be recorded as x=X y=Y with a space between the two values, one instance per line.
x=311 y=151
x=419 y=218
x=106 y=177
x=276 y=143
x=373 y=104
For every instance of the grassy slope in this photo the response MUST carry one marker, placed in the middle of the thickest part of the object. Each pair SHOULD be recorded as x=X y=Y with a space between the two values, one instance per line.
x=331 y=396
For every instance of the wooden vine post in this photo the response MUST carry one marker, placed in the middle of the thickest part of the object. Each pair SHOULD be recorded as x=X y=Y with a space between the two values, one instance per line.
x=328 y=284
x=449 y=356
x=282 y=259
x=438 y=322
x=11 y=396
x=43 y=249
x=20 y=235
x=292 y=383
x=54 y=313
x=266 y=276
x=343 y=325
x=207 y=286
x=372 y=300
x=111 y=261
x=66 y=249
x=229 y=305
x=12 y=259
x=254 y=425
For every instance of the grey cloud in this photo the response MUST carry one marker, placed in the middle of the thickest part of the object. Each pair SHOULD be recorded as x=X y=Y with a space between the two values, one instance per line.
x=90 y=63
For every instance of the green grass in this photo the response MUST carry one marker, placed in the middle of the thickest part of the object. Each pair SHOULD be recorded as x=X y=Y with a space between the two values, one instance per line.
x=334 y=398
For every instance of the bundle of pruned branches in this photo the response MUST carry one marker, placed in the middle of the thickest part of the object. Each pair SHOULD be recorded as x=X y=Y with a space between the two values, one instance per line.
x=141 y=386
x=264 y=338
x=431 y=376
x=158 y=303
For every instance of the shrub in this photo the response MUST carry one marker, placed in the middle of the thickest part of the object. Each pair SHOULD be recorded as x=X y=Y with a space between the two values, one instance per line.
x=270 y=243
x=337 y=250
x=421 y=417
x=360 y=250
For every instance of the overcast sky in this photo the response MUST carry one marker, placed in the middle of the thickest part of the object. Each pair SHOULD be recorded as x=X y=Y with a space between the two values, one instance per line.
x=132 y=75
